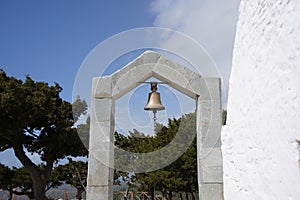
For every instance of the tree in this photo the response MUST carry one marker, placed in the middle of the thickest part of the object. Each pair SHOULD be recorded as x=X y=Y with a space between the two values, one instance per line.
x=35 y=119
x=6 y=175
x=83 y=131
x=181 y=175
x=73 y=173
x=21 y=182
x=17 y=181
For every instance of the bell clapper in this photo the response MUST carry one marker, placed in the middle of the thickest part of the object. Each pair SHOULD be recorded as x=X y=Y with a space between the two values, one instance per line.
x=154 y=117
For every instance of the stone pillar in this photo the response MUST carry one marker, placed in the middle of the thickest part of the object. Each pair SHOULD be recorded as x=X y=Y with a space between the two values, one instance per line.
x=209 y=124
x=101 y=152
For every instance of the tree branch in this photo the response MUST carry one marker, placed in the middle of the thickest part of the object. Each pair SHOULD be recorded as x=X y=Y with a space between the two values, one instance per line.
x=30 y=132
x=48 y=187
x=27 y=163
x=28 y=193
x=48 y=168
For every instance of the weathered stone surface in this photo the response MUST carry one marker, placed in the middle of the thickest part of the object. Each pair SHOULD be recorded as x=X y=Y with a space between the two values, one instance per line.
x=177 y=76
x=102 y=87
x=100 y=132
x=205 y=87
x=101 y=154
x=104 y=156
x=102 y=109
x=209 y=119
x=99 y=193
x=212 y=192
x=210 y=136
x=131 y=78
x=211 y=165
x=209 y=91
x=99 y=173
x=173 y=73
x=210 y=112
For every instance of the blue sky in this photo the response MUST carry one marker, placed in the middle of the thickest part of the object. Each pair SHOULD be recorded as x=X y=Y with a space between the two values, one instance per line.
x=50 y=39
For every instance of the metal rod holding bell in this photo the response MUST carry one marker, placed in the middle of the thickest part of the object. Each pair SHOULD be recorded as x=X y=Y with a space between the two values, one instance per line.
x=154 y=103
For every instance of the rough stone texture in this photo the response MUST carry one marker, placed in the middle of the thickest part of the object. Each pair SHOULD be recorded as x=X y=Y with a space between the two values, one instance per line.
x=101 y=152
x=151 y=64
x=107 y=89
x=209 y=124
x=101 y=87
x=98 y=193
x=259 y=143
x=212 y=191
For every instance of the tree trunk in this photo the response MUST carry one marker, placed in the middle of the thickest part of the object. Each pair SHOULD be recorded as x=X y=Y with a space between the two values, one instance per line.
x=39 y=179
x=193 y=196
x=170 y=195
x=39 y=189
x=10 y=195
x=163 y=194
x=79 y=192
x=27 y=193
x=187 y=196
x=180 y=196
x=151 y=193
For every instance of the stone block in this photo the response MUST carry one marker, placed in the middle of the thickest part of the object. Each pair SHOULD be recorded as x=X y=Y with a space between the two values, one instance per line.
x=99 y=174
x=96 y=145
x=211 y=156
x=211 y=192
x=210 y=112
x=173 y=74
x=194 y=85
x=212 y=174
x=184 y=71
x=102 y=109
x=101 y=132
x=106 y=157
x=210 y=136
x=178 y=79
x=130 y=79
x=102 y=87
x=99 y=193
x=148 y=57
x=209 y=88
x=211 y=165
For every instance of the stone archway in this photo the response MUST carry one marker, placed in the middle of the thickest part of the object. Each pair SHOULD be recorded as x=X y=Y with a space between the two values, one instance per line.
x=106 y=90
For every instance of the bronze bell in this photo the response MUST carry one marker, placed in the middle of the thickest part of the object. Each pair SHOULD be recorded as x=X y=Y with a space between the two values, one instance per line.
x=154 y=102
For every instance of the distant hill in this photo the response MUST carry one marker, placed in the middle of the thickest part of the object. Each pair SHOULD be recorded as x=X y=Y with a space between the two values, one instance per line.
x=54 y=193
x=58 y=192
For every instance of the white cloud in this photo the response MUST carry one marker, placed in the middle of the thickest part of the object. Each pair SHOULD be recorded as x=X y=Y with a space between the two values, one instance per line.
x=212 y=23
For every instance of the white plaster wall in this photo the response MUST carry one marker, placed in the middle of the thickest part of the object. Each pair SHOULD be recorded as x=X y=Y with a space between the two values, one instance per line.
x=260 y=154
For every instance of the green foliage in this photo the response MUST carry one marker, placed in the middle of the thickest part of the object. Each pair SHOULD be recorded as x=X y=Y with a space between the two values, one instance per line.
x=34 y=117
x=21 y=179
x=6 y=175
x=181 y=175
x=83 y=131
x=10 y=179
x=73 y=173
